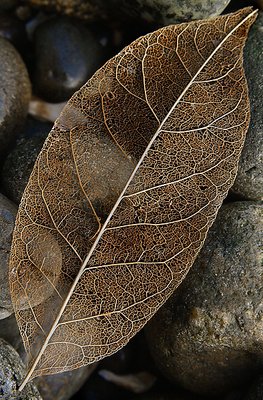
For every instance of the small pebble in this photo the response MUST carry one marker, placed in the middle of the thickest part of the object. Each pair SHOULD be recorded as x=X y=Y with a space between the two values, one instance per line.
x=66 y=54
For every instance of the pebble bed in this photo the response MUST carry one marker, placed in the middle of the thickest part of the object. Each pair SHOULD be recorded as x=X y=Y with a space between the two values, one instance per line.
x=206 y=342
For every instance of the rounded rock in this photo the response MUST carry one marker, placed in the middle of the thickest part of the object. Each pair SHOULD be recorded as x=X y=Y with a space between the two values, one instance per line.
x=15 y=92
x=7 y=221
x=67 y=54
x=249 y=180
x=209 y=335
x=12 y=372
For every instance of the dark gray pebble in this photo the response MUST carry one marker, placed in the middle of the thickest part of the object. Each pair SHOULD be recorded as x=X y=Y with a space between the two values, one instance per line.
x=208 y=337
x=67 y=54
x=15 y=92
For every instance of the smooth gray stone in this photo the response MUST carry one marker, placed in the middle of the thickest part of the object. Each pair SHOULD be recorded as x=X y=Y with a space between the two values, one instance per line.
x=208 y=336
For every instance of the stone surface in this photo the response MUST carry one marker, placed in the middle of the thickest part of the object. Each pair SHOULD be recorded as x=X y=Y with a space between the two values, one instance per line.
x=12 y=372
x=161 y=12
x=256 y=390
x=209 y=335
x=7 y=220
x=249 y=180
x=15 y=92
x=18 y=166
x=67 y=54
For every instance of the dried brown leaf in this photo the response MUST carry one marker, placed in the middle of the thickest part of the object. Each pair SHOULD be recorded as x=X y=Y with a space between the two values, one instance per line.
x=125 y=189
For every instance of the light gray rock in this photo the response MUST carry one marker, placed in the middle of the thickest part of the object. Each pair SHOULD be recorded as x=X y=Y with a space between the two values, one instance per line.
x=209 y=335
x=249 y=180
x=7 y=220
x=15 y=92
x=12 y=371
